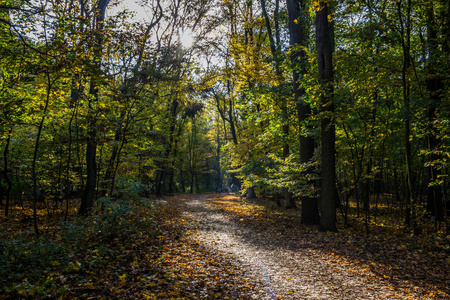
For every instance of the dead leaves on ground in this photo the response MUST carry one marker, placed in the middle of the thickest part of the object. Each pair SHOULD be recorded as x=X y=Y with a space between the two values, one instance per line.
x=159 y=258
x=413 y=265
x=156 y=259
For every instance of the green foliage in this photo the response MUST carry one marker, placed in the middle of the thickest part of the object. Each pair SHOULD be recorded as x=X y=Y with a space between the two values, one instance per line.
x=113 y=221
x=36 y=266
x=22 y=254
x=129 y=189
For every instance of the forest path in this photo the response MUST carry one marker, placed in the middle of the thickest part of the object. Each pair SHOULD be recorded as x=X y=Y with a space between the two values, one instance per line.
x=279 y=267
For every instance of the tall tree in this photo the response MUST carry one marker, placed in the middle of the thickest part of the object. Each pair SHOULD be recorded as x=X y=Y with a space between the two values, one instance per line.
x=324 y=46
x=87 y=200
x=298 y=36
x=404 y=16
x=435 y=89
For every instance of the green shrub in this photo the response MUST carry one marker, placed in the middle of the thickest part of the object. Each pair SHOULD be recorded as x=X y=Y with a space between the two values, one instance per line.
x=129 y=189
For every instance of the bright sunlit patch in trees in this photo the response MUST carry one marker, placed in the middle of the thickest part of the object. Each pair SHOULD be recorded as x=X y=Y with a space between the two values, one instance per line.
x=186 y=38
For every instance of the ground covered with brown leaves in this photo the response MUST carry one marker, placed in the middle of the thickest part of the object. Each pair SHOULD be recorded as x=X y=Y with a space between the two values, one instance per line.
x=213 y=247
x=284 y=259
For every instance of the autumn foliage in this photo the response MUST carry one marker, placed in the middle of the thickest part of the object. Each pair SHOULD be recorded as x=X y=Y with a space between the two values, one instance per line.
x=152 y=250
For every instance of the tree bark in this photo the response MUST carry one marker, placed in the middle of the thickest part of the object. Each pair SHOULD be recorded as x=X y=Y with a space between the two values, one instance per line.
x=298 y=37
x=160 y=184
x=5 y=172
x=87 y=201
x=324 y=46
x=36 y=149
x=435 y=87
x=405 y=32
x=218 y=167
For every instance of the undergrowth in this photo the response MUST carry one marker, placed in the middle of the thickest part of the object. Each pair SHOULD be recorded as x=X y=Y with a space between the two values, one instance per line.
x=40 y=266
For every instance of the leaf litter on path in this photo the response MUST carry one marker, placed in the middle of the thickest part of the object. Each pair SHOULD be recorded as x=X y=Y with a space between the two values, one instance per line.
x=283 y=259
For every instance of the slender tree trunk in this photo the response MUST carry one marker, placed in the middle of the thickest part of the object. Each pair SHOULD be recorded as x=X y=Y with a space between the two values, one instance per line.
x=36 y=149
x=231 y=121
x=435 y=87
x=224 y=113
x=249 y=22
x=273 y=46
x=5 y=172
x=405 y=31
x=67 y=184
x=218 y=167
x=192 y=156
x=107 y=178
x=289 y=201
x=328 y=162
x=87 y=201
x=160 y=187
x=172 y=163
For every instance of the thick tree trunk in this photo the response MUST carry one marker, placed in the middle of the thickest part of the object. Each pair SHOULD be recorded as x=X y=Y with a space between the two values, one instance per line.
x=328 y=164
x=297 y=34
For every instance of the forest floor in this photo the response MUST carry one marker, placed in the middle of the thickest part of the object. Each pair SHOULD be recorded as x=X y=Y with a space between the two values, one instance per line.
x=217 y=246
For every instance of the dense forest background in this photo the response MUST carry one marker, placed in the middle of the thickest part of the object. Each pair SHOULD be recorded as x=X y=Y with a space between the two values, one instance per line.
x=336 y=106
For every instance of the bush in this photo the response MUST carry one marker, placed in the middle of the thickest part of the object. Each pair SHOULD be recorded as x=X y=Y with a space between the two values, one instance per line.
x=19 y=256
x=114 y=219
x=129 y=189
x=30 y=264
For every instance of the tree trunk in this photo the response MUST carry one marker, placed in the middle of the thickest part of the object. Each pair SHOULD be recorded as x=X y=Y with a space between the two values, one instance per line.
x=36 y=149
x=87 y=201
x=325 y=65
x=231 y=121
x=435 y=87
x=251 y=193
x=219 y=175
x=298 y=37
x=161 y=182
x=405 y=32
x=5 y=172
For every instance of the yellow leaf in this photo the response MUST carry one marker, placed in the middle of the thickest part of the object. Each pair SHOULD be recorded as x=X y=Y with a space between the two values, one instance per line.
x=123 y=279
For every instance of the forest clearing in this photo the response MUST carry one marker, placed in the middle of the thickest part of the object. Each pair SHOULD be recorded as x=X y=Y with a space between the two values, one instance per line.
x=215 y=246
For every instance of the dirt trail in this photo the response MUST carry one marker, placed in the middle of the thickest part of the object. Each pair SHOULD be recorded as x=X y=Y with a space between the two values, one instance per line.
x=275 y=268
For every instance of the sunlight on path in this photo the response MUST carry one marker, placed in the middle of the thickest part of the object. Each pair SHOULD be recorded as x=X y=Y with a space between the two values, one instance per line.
x=291 y=273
